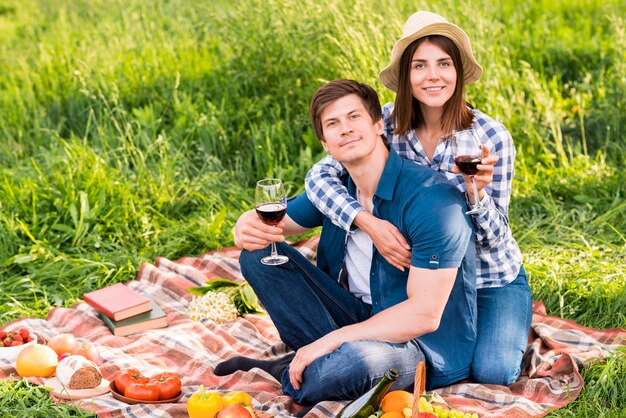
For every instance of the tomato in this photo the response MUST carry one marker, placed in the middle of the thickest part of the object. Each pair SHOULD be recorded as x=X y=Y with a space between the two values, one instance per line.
x=126 y=378
x=234 y=411
x=143 y=391
x=168 y=383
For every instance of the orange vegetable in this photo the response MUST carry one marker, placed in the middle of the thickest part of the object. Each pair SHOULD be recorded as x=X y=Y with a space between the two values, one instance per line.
x=397 y=400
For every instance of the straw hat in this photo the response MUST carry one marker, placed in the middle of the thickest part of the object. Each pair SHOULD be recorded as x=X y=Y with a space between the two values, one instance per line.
x=421 y=24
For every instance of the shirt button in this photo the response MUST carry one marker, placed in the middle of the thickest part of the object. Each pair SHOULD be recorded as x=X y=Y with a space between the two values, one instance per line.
x=434 y=256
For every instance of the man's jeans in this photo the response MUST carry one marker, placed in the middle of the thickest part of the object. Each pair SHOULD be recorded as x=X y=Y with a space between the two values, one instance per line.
x=305 y=304
x=504 y=316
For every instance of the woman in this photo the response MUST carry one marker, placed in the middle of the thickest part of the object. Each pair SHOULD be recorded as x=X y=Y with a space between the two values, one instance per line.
x=430 y=66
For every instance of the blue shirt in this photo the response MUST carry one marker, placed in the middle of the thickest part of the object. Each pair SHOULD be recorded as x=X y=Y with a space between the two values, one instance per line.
x=430 y=214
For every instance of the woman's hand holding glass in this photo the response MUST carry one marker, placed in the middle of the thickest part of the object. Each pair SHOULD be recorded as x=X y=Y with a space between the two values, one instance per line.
x=474 y=161
x=484 y=176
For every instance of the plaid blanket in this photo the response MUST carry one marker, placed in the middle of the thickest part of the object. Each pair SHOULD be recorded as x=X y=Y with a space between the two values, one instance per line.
x=551 y=378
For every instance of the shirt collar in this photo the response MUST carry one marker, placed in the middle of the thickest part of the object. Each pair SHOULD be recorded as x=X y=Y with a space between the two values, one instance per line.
x=388 y=178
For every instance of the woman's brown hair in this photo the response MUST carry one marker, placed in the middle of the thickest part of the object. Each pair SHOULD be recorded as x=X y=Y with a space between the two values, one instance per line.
x=407 y=112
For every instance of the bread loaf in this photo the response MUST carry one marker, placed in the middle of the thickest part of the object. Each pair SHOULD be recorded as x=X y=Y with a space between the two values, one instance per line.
x=76 y=372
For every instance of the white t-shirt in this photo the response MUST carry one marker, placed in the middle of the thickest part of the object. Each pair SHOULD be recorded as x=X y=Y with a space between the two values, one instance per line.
x=359 y=253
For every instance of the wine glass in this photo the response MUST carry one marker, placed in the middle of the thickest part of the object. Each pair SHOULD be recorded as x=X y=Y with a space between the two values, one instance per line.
x=469 y=152
x=271 y=207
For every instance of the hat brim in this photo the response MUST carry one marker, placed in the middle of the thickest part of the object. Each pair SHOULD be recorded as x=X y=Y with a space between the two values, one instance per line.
x=472 y=71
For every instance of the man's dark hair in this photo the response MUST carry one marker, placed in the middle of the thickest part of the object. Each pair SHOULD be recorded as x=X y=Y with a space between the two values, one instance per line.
x=337 y=89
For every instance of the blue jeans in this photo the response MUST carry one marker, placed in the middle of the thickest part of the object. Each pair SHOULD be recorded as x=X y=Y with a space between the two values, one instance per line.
x=305 y=304
x=504 y=316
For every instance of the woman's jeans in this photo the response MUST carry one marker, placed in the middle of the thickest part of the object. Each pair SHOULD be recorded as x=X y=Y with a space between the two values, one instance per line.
x=504 y=316
x=305 y=304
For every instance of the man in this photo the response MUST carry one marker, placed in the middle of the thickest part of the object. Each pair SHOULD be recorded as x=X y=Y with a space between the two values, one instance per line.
x=354 y=316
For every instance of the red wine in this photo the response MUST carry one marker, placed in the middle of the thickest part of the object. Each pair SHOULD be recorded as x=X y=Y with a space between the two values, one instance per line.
x=271 y=213
x=468 y=164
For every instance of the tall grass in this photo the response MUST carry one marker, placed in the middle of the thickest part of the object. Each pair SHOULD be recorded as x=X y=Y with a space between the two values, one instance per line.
x=136 y=129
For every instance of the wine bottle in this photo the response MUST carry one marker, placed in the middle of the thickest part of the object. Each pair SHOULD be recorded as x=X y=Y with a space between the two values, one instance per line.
x=368 y=403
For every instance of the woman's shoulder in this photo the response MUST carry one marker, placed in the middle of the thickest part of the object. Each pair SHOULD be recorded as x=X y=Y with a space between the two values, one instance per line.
x=418 y=179
x=483 y=119
x=387 y=108
x=489 y=128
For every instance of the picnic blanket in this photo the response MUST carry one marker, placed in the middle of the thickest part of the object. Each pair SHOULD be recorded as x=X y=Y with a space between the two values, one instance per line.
x=551 y=378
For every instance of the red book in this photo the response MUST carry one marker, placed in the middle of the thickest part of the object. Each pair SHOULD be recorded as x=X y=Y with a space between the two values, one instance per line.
x=117 y=301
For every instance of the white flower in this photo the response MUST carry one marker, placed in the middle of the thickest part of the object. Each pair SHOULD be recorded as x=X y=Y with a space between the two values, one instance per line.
x=212 y=306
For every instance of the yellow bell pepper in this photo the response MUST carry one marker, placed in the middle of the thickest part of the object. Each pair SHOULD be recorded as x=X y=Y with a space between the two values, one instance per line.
x=237 y=398
x=204 y=404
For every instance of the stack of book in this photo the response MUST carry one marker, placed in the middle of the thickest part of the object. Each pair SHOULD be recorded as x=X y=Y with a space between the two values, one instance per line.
x=125 y=311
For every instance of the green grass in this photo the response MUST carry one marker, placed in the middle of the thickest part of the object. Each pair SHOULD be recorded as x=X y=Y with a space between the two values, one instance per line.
x=24 y=399
x=136 y=129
